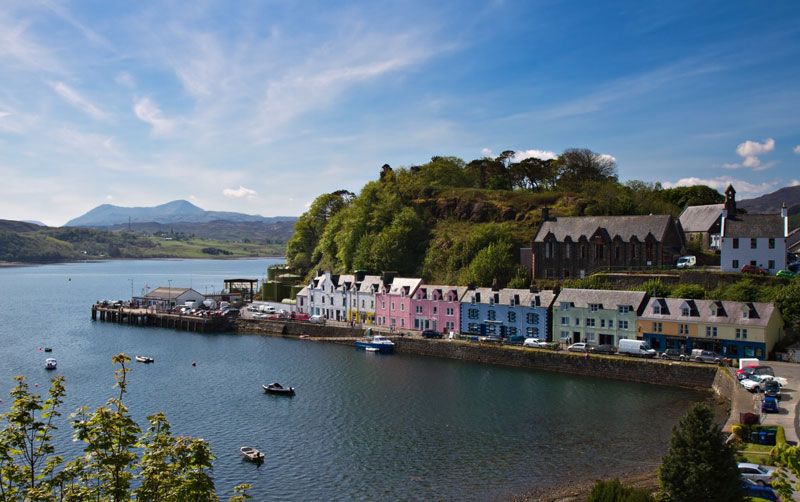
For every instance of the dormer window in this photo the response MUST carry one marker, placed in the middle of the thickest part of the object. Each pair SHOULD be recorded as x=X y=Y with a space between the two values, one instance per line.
x=594 y=307
x=657 y=309
x=491 y=300
x=745 y=314
x=565 y=306
x=472 y=300
x=685 y=311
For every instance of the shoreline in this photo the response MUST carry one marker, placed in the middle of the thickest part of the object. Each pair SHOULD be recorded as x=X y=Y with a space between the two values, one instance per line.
x=60 y=262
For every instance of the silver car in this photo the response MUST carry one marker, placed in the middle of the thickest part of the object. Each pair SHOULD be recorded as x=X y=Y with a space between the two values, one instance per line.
x=758 y=473
x=536 y=343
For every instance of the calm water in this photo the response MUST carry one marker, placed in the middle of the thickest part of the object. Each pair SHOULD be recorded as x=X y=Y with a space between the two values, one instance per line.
x=363 y=426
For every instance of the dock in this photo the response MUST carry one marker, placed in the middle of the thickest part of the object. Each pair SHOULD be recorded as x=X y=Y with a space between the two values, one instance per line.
x=145 y=317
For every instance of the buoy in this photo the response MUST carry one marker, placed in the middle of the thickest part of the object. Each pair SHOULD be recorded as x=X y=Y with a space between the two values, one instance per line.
x=36 y=385
x=40 y=348
x=194 y=363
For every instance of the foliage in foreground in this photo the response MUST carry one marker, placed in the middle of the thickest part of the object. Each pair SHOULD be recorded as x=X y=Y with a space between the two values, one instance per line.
x=169 y=469
x=614 y=491
x=699 y=464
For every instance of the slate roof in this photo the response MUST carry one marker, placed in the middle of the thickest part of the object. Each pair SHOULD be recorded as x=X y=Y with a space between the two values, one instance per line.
x=429 y=289
x=793 y=240
x=370 y=281
x=609 y=299
x=625 y=227
x=402 y=283
x=758 y=313
x=700 y=218
x=162 y=292
x=504 y=296
x=303 y=292
x=754 y=226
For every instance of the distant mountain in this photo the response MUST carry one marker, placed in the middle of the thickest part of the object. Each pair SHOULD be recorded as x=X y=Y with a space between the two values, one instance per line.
x=772 y=202
x=176 y=211
x=243 y=231
x=19 y=226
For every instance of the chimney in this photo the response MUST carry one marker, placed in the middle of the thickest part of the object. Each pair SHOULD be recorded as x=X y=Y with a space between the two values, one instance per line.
x=359 y=275
x=471 y=286
x=495 y=287
x=388 y=277
x=785 y=216
x=534 y=288
x=497 y=298
x=545 y=213
x=478 y=297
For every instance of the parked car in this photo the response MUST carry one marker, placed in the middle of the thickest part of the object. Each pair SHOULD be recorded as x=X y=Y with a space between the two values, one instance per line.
x=636 y=348
x=781 y=380
x=753 y=489
x=706 y=356
x=686 y=261
x=431 y=333
x=753 y=269
x=300 y=316
x=772 y=389
x=753 y=383
x=491 y=339
x=794 y=267
x=769 y=405
x=515 y=339
x=260 y=315
x=754 y=370
x=316 y=319
x=578 y=347
x=674 y=355
x=603 y=349
x=536 y=343
x=786 y=273
x=758 y=473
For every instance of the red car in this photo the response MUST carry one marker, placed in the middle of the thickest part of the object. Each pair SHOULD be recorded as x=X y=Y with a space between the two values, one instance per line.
x=300 y=316
x=753 y=269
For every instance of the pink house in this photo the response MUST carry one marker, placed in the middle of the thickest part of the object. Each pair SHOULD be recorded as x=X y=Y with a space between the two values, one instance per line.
x=393 y=306
x=437 y=307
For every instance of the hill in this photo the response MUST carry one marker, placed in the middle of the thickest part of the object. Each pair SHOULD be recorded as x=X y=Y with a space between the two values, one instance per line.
x=244 y=231
x=772 y=202
x=177 y=211
x=19 y=226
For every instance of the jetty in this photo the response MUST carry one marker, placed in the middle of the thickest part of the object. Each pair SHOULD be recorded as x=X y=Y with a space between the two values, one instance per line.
x=161 y=319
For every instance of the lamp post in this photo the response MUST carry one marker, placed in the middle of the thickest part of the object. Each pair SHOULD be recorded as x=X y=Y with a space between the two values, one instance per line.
x=131 y=289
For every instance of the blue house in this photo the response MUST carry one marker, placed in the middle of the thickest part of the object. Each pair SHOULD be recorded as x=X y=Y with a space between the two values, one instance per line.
x=506 y=312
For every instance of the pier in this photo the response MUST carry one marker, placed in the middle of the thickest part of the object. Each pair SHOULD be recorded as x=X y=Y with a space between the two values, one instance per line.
x=144 y=317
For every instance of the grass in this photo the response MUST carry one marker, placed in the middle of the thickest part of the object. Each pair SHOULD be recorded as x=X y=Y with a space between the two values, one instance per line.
x=193 y=248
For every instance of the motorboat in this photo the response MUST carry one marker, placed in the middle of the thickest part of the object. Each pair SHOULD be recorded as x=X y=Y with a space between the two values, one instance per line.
x=50 y=363
x=251 y=454
x=379 y=342
x=144 y=359
x=276 y=388
x=48 y=349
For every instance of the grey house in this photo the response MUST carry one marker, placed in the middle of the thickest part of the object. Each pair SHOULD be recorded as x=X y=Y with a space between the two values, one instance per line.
x=703 y=223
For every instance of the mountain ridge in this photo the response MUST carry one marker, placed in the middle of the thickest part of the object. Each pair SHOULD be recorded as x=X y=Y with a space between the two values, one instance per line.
x=772 y=202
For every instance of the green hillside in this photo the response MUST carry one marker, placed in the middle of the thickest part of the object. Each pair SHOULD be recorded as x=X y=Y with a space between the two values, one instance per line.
x=455 y=222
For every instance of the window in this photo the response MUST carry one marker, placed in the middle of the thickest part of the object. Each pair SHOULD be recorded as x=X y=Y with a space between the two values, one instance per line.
x=590 y=337
x=735 y=264
x=491 y=315
x=610 y=323
x=683 y=329
x=402 y=307
x=744 y=333
x=472 y=313
x=533 y=332
x=771 y=264
x=564 y=335
x=449 y=325
x=753 y=243
x=566 y=250
x=657 y=327
x=738 y=333
x=593 y=307
x=532 y=318
x=419 y=309
x=392 y=305
x=577 y=321
x=624 y=309
x=735 y=243
x=565 y=306
x=372 y=304
x=771 y=243
x=491 y=328
x=565 y=321
x=394 y=322
x=602 y=323
x=323 y=299
x=435 y=310
x=512 y=317
x=402 y=323
x=362 y=303
x=449 y=311
x=590 y=322
x=512 y=331
x=711 y=331
x=656 y=309
x=622 y=325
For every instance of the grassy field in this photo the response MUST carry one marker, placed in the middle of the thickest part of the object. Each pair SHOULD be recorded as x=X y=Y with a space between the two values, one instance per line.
x=205 y=248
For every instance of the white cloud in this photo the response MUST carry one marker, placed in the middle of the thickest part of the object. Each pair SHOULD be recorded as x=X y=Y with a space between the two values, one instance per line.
x=78 y=101
x=794 y=183
x=486 y=152
x=148 y=112
x=749 y=150
x=125 y=79
x=743 y=188
x=607 y=157
x=797 y=149
x=240 y=193
x=538 y=154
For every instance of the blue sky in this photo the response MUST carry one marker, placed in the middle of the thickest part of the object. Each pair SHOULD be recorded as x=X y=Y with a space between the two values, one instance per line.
x=260 y=106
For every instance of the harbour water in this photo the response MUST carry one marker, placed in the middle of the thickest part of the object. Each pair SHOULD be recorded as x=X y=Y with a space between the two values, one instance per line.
x=363 y=426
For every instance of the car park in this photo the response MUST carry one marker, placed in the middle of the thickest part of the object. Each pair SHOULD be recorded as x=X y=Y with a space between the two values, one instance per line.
x=706 y=356
x=674 y=355
x=769 y=405
x=431 y=333
x=603 y=349
x=785 y=273
x=753 y=269
x=755 y=472
x=578 y=347
x=753 y=383
x=536 y=343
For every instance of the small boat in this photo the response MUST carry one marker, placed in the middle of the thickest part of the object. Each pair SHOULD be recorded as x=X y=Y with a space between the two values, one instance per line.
x=372 y=349
x=379 y=342
x=50 y=364
x=251 y=454
x=276 y=388
x=144 y=359
x=48 y=349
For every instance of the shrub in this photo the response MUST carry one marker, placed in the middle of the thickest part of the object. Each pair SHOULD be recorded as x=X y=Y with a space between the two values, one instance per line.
x=614 y=491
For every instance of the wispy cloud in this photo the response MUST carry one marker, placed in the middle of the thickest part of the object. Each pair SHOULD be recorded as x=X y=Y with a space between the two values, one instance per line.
x=72 y=97
x=743 y=188
x=19 y=47
x=797 y=149
x=125 y=78
x=240 y=193
x=750 y=151
x=147 y=111
x=521 y=155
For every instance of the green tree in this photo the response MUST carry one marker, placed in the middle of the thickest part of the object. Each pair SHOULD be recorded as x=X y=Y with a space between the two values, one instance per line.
x=787 y=299
x=689 y=292
x=492 y=262
x=578 y=166
x=699 y=465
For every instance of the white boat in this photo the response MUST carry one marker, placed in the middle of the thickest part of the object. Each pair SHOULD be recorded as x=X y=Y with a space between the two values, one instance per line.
x=50 y=363
x=251 y=454
x=144 y=359
x=379 y=342
x=371 y=349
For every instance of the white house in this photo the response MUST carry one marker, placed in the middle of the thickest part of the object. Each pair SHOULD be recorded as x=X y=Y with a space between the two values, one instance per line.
x=752 y=239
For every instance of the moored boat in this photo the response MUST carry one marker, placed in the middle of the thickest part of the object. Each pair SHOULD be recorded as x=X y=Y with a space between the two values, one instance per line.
x=379 y=342
x=144 y=359
x=48 y=349
x=251 y=454
x=50 y=363
x=276 y=388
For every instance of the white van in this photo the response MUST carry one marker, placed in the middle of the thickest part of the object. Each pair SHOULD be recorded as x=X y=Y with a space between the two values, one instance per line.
x=686 y=261
x=317 y=319
x=638 y=348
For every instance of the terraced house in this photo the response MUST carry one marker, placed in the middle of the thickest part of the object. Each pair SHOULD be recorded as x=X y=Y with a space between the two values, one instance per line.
x=323 y=296
x=393 y=301
x=596 y=316
x=361 y=298
x=506 y=312
x=733 y=329
x=437 y=307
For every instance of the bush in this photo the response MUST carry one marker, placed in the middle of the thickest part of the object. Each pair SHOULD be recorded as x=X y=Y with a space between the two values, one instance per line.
x=613 y=491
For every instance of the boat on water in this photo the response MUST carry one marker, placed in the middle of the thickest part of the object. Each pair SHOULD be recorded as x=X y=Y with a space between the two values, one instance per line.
x=48 y=349
x=379 y=342
x=276 y=388
x=372 y=349
x=50 y=363
x=144 y=359
x=251 y=454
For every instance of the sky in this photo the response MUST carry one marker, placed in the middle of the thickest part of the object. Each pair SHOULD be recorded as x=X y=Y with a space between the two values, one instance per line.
x=260 y=106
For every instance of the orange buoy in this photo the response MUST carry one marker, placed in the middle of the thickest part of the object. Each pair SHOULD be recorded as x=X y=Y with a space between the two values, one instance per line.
x=194 y=363
x=36 y=385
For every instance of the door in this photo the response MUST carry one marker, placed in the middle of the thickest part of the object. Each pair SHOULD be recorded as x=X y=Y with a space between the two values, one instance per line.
x=576 y=336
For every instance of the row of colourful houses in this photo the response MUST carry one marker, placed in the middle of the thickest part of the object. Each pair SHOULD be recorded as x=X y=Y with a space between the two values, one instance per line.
x=734 y=329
